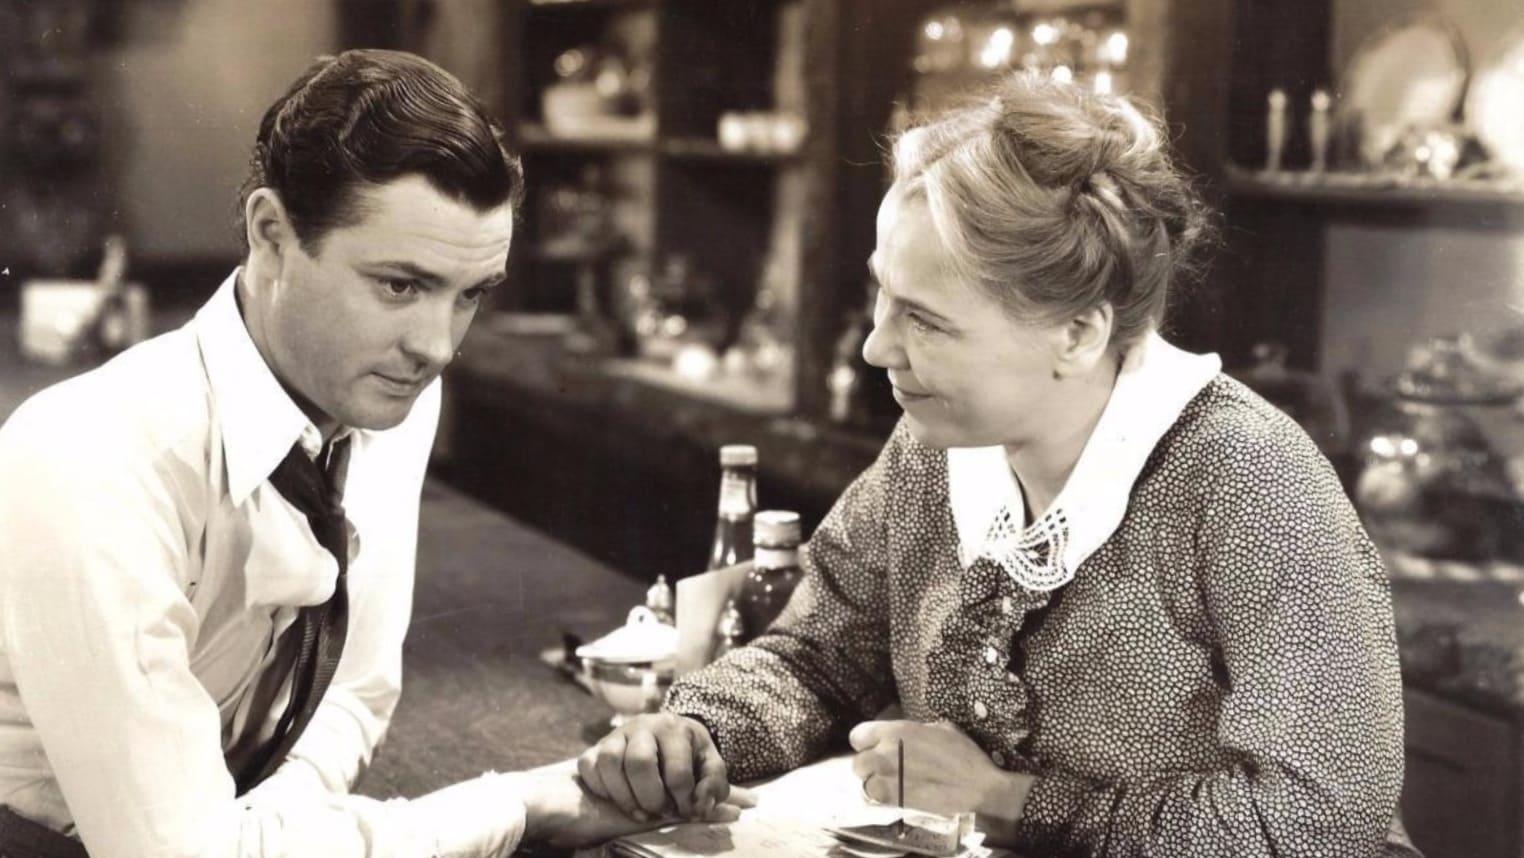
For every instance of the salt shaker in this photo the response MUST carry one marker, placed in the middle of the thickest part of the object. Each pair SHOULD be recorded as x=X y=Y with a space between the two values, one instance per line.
x=659 y=600
x=729 y=631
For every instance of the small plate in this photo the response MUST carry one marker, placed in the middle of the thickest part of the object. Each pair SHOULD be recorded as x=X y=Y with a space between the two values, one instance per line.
x=1409 y=75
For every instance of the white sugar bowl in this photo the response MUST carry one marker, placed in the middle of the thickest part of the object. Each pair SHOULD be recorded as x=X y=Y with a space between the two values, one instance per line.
x=631 y=667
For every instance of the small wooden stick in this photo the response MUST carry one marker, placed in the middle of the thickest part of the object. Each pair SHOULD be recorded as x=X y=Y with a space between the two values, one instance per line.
x=901 y=789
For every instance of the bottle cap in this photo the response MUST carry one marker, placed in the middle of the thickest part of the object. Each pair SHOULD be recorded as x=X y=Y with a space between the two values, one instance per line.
x=737 y=455
x=776 y=528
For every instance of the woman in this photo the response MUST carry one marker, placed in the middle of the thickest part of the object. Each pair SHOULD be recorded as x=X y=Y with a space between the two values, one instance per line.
x=1123 y=603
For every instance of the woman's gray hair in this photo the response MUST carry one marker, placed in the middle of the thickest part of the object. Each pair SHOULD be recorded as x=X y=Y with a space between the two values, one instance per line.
x=1054 y=200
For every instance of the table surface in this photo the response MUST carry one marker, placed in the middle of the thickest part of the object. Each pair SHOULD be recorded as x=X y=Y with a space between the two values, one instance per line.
x=491 y=595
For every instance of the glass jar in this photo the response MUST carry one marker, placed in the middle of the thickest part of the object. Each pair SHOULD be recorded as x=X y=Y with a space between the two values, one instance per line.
x=1432 y=482
x=774 y=571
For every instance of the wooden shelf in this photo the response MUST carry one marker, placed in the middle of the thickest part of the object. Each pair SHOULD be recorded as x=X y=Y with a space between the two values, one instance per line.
x=1358 y=190
x=590 y=4
x=703 y=149
x=537 y=138
x=1401 y=565
x=576 y=250
x=772 y=397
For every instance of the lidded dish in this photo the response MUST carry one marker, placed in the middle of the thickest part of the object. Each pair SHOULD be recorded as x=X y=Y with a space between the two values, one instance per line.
x=631 y=667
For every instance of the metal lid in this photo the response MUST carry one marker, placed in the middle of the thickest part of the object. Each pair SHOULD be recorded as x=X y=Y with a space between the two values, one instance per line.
x=737 y=455
x=776 y=528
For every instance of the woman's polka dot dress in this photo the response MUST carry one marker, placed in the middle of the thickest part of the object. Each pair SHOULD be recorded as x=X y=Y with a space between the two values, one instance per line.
x=1219 y=679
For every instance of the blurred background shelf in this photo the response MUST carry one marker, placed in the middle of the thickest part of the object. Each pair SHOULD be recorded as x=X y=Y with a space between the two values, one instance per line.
x=771 y=397
x=570 y=5
x=1361 y=191
x=534 y=137
x=703 y=149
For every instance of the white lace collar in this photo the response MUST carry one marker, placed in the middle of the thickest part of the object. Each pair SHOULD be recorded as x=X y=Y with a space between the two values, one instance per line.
x=1155 y=384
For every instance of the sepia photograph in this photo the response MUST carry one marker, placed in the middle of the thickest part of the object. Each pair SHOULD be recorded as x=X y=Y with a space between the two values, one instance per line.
x=704 y=428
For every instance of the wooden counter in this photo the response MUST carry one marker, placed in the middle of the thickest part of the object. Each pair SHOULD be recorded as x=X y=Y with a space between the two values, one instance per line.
x=625 y=468
x=491 y=594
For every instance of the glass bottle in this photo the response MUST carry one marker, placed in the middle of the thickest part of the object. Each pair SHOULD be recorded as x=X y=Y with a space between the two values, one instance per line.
x=738 y=503
x=774 y=571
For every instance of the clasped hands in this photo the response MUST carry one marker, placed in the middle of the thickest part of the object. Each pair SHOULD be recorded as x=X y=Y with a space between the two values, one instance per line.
x=661 y=767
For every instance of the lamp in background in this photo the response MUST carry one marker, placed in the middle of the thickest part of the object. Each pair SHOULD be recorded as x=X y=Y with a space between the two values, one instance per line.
x=957 y=45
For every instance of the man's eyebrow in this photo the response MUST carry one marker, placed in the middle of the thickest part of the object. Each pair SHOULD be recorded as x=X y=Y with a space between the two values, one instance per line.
x=410 y=269
x=419 y=273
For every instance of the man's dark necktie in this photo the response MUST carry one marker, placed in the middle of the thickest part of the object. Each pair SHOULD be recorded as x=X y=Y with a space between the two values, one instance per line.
x=315 y=640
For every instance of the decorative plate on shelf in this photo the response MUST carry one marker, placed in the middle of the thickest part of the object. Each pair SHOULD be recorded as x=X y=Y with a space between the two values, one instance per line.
x=1410 y=75
x=1495 y=104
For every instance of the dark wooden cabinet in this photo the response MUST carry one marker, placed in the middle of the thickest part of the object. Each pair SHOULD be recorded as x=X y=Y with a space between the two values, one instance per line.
x=1461 y=797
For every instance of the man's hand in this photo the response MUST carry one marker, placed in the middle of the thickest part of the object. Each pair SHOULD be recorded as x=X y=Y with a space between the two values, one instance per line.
x=560 y=812
x=945 y=772
x=660 y=765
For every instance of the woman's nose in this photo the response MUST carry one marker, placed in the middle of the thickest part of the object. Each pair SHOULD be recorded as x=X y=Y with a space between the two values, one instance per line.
x=881 y=348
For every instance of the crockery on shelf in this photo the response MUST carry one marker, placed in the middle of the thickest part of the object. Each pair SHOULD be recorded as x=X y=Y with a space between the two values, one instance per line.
x=1410 y=75
x=1495 y=104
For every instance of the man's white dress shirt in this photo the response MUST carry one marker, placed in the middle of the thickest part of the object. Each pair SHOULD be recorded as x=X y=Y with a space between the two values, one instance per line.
x=147 y=568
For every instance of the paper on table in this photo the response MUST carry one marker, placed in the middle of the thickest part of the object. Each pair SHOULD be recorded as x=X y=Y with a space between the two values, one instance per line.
x=700 y=599
x=792 y=813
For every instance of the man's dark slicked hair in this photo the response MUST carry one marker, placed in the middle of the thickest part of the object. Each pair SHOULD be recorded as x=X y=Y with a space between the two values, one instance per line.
x=366 y=117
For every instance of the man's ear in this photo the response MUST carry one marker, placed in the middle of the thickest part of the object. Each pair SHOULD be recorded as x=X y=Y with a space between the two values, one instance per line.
x=267 y=226
x=1083 y=342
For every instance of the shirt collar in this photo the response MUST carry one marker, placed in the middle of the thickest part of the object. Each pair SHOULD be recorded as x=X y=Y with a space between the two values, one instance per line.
x=1156 y=382
x=258 y=419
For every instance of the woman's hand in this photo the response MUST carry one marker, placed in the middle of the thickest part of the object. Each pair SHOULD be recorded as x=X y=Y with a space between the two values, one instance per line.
x=660 y=765
x=945 y=772
x=561 y=812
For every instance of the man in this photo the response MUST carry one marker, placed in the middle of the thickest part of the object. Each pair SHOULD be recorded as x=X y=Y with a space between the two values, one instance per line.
x=191 y=534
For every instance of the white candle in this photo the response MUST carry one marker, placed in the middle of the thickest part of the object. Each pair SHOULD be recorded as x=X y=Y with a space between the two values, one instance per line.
x=1318 y=129
x=1275 y=130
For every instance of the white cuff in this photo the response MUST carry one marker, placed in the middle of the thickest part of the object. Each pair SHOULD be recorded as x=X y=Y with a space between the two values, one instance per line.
x=480 y=818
